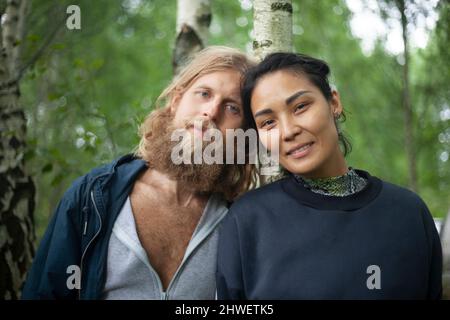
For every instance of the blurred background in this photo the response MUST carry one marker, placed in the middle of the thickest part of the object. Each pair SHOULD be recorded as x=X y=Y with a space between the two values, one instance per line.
x=90 y=89
x=85 y=91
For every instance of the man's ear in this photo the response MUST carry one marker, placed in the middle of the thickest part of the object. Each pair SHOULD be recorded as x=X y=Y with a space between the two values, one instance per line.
x=336 y=105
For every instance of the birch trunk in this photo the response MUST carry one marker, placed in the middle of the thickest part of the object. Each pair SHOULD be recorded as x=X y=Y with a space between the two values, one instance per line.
x=193 y=20
x=272 y=27
x=16 y=187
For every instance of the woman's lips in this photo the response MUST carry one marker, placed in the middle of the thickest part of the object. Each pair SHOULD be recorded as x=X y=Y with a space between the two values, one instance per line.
x=300 y=151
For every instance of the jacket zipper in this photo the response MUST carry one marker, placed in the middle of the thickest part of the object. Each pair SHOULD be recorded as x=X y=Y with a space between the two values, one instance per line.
x=90 y=242
x=165 y=294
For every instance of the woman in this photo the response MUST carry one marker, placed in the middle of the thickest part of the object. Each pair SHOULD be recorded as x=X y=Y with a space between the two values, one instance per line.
x=326 y=231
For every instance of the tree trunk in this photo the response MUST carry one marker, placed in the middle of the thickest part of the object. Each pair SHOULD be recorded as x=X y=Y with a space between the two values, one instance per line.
x=193 y=20
x=406 y=101
x=16 y=187
x=272 y=27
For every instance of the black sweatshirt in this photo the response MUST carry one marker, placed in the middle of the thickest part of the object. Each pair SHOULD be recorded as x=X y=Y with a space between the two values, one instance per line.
x=283 y=241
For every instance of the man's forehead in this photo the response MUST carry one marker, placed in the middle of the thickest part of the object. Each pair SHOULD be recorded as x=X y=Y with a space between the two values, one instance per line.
x=224 y=80
x=220 y=76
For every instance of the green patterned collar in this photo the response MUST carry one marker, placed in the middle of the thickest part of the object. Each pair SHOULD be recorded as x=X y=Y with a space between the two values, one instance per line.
x=341 y=186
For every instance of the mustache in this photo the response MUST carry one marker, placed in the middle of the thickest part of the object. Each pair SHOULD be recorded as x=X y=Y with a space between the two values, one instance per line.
x=205 y=123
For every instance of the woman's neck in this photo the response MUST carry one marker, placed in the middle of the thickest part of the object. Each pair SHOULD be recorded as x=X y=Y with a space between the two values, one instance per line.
x=338 y=186
x=334 y=166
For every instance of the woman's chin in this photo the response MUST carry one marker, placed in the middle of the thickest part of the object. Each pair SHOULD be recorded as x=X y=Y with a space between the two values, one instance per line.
x=302 y=169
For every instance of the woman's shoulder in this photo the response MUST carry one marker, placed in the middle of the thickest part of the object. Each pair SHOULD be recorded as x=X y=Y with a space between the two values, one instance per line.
x=402 y=194
x=263 y=191
x=261 y=197
x=392 y=192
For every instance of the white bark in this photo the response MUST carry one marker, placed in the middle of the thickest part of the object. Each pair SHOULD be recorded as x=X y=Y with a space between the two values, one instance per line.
x=13 y=30
x=193 y=20
x=272 y=27
x=197 y=15
x=16 y=187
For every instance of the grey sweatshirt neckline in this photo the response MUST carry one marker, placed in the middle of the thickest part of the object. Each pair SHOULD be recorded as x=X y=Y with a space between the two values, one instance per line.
x=125 y=236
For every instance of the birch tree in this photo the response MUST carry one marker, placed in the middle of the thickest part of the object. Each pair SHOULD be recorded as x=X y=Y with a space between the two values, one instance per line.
x=272 y=27
x=16 y=187
x=193 y=20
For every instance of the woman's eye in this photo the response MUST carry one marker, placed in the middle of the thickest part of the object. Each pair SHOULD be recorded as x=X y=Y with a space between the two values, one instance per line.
x=301 y=106
x=266 y=123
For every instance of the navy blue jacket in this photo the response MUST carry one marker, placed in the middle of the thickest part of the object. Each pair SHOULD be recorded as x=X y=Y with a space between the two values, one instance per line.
x=79 y=233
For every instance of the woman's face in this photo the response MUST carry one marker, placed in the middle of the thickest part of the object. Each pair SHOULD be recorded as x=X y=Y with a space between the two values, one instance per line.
x=292 y=108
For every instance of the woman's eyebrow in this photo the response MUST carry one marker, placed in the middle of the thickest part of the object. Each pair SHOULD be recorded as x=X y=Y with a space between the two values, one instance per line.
x=263 y=112
x=288 y=101
x=295 y=96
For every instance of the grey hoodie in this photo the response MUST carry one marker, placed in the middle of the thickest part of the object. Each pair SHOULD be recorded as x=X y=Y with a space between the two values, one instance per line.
x=131 y=276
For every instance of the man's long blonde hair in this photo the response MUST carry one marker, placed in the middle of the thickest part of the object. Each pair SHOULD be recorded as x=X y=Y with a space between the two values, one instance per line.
x=209 y=60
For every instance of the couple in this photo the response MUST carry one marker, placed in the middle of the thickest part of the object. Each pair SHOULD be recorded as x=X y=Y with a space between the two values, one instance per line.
x=143 y=227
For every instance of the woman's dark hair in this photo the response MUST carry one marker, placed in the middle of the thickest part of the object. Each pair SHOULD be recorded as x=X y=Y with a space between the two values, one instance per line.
x=315 y=70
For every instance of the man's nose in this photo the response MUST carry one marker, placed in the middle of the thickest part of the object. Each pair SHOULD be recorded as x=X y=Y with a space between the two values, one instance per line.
x=212 y=110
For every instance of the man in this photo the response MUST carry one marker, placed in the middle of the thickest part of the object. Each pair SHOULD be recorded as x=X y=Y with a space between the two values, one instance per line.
x=144 y=227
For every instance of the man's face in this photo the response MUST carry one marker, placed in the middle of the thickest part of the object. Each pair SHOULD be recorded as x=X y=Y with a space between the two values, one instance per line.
x=214 y=97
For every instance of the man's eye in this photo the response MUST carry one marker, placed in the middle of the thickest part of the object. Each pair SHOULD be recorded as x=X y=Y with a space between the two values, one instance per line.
x=234 y=109
x=203 y=94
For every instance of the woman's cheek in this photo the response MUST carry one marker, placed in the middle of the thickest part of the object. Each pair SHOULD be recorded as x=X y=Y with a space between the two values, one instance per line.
x=263 y=138
x=270 y=139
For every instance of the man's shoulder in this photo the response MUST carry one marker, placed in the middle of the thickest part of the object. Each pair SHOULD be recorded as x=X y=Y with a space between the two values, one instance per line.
x=123 y=165
x=80 y=184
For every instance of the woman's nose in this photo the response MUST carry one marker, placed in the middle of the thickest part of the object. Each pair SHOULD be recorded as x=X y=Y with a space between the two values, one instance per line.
x=289 y=130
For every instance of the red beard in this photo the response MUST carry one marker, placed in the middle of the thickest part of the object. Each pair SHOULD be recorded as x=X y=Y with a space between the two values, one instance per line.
x=202 y=178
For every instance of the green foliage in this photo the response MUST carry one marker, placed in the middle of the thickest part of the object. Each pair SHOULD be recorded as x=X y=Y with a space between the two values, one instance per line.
x=90 y=90
x=87 y=94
